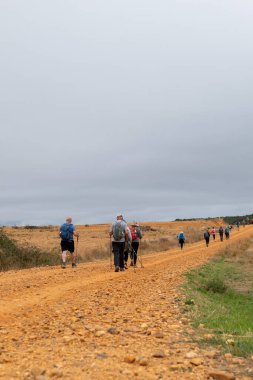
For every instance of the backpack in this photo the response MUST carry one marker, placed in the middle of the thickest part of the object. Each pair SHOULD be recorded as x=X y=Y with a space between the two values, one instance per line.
x=66 y=231
x=206 y=235
x=134 y=233
x=181 y=236
x=118 y=231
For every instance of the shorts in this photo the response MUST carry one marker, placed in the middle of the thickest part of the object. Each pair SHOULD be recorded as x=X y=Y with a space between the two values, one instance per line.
x=68 y=245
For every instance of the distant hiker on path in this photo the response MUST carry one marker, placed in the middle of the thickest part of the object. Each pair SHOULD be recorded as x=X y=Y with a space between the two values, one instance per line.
x=221 y=233
x=207 y=237
x=181 y=239
x=136 y=237
x=227 y=232
x=128 y=248
x=67 y=233
x=119 y=235
x=213 y=233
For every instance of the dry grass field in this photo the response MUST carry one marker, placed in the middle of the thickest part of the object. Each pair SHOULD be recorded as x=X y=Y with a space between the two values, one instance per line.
x=94 y=240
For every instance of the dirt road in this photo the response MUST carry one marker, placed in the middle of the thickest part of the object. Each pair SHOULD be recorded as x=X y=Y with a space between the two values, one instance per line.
x=92 y=323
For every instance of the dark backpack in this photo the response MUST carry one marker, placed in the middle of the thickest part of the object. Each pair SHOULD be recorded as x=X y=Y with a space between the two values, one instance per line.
x=66 y=231
x=118 y=231
x=206 y=235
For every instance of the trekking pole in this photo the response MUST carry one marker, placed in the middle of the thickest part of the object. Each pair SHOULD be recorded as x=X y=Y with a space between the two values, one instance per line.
x=134 y=258
x=110 y=249
x=77 y=239
x=141 y=255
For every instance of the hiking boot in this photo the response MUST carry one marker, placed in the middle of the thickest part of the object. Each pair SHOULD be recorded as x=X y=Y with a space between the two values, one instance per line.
x=116 y=269
x=74 y=265
x=63 y=265
x=122 y=269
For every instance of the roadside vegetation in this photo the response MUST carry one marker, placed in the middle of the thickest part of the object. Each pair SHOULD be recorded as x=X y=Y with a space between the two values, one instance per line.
x=219 y=296
x=14 y=257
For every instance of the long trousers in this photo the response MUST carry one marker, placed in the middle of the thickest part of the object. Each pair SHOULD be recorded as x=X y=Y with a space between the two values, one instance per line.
x=135 y=247
x=118 y=251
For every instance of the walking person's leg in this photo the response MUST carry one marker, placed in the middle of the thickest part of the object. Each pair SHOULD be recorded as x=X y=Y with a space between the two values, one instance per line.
x=121 y=256
x=115 y=249
x=135 y=247
x=64 y=250
x=72 y=253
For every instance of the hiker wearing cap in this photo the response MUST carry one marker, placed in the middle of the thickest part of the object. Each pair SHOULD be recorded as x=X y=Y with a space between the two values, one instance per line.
x=128 y=247
x=67 y=233
x=119 y=234
x=136 y=237
x=181 y=239
x=207 y=237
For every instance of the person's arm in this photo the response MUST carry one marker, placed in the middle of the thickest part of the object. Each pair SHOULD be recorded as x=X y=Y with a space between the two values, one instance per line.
x=110 y=231
x=76 y=234
x=126 y=234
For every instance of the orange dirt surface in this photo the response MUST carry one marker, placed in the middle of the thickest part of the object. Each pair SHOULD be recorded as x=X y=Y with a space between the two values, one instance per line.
x=93 y=323
x=96 y=236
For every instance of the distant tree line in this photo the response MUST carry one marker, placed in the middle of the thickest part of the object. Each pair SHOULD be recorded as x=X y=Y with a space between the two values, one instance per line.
x=228 y=219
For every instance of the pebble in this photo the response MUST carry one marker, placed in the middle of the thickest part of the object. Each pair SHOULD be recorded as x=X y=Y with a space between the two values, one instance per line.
x=191 y=355
x=129 y=359
x=158 y=354
x=113 y=331
x=143 y=362
x=159 y=335
x=220 y=375
x=197 y=361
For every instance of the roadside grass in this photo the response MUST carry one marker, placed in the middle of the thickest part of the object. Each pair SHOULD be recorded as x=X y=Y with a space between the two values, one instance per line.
x=14 y=257
x=219 y=296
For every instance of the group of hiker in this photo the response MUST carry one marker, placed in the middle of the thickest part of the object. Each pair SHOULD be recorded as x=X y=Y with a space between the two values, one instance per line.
x=124 y=241
x=221 y=231
x=207 y=234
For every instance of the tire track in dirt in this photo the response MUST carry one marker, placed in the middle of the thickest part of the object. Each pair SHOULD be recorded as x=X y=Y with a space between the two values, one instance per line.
x=83 y=323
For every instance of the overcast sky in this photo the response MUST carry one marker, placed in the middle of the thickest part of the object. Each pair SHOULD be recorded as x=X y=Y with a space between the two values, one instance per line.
x=139 y=106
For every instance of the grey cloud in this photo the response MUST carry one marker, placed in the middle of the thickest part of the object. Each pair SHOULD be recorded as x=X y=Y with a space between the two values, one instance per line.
x=143 y=107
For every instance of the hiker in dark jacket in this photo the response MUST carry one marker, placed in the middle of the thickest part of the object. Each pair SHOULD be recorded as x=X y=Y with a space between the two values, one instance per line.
x=207 y=237
x=181 y=239
x=227 y=232
x=118 y=232
x=136 y=237
x=221 y=233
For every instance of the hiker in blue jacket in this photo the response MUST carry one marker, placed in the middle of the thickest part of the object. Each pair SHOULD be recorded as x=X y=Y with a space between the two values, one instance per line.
x=67 y=233
x=181 y=239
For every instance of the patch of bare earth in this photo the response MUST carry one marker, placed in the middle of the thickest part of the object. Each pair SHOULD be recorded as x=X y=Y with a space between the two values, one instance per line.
x=92 y=323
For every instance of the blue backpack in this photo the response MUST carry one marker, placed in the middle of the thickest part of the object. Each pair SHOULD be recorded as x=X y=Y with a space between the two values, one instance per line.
x=181 y=236
x=66 y=231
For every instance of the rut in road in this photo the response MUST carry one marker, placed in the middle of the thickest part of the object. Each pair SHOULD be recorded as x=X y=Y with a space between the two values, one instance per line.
x=91 y=323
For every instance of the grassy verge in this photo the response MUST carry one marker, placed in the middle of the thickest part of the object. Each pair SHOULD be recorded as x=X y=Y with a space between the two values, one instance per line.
x=219 y=296
x=14 y=257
